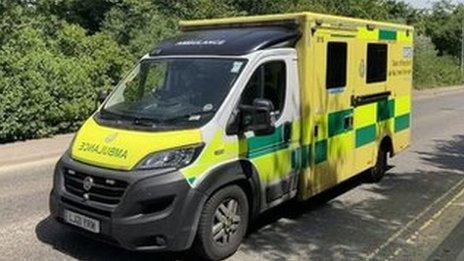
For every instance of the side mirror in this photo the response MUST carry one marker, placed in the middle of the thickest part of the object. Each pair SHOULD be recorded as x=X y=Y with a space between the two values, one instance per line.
x=258 y=117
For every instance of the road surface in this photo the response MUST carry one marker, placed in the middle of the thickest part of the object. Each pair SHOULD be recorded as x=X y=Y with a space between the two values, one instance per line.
x=415 y=213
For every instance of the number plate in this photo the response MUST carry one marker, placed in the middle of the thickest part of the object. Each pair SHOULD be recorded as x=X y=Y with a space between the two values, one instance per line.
x=82 y=221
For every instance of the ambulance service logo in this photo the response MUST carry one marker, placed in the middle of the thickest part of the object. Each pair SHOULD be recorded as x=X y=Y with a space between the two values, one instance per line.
x=111 y=138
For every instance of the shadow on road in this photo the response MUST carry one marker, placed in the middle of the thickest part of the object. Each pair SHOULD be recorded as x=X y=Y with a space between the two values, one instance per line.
x=449 y=155
x=329 y=226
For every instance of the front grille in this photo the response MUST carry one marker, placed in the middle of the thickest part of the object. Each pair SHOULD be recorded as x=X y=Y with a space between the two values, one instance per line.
x=102 y=190
x=85 y=207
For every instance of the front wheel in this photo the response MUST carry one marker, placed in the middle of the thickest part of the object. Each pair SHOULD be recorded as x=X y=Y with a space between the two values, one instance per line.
x=223 y=224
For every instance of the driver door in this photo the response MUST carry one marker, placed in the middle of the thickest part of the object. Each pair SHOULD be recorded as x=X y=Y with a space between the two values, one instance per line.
x=274 y=155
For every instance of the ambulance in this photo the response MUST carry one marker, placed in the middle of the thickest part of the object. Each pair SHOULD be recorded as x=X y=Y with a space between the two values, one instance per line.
x=231 y=118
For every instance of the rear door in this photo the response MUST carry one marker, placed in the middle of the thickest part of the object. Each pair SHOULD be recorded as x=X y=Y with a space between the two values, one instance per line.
x=373 y=107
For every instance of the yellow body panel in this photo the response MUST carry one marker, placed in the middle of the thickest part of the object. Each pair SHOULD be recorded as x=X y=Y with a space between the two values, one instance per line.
x=271 y=173
x=333 y=158
x=216 y=153
x=123 y=149
x=365 y=34
x=302 y=16
x=403 y=105
x=405 y=37
x=365 y=115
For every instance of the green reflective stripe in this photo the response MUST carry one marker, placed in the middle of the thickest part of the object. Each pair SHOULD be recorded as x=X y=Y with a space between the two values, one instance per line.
x=258 y=143
x=191 y=180
x=273 y=149
x=366 y=135
x=337 y=122
x=260 y=146
x=306 y=156
x=296 y=159
x=320 y=151
x=385 y=110
x=402 y=122
x=388 y=35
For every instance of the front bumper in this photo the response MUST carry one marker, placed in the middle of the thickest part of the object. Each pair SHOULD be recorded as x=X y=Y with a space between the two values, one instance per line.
x=158 y=211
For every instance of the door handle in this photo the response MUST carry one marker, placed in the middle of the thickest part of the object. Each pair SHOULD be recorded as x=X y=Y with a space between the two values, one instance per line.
x=287 y=133
x=348 y=122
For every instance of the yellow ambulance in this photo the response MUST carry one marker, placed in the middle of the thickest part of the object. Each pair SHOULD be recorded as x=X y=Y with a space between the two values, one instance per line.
x=231 y=118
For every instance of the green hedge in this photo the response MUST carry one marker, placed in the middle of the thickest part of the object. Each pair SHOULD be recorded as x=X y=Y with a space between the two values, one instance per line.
x=48 y=84
x=432 y=70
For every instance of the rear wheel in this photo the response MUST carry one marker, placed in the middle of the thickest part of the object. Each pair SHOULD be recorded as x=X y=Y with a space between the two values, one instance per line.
x=223 y=224
x=378 y=171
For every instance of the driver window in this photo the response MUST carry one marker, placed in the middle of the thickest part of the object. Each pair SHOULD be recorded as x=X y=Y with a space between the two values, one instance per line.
x=269 y=82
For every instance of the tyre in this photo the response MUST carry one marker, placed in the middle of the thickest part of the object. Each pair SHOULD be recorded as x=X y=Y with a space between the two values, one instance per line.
x=376 y=173
x=223 y=224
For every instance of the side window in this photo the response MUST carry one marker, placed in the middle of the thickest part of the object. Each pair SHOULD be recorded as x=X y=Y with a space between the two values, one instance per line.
x=337 y=54
x=377 y=58
x=269 y=82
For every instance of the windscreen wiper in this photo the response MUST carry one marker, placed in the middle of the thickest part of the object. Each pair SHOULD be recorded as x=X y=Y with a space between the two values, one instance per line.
x=110 y=116
x=146 y=122
x=194 y=116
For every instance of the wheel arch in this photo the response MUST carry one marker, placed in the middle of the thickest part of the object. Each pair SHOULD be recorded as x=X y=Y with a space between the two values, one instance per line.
x=387 y=143
x=240 y=172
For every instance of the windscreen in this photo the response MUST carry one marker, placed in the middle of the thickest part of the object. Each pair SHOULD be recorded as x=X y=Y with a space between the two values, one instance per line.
x=173 y=92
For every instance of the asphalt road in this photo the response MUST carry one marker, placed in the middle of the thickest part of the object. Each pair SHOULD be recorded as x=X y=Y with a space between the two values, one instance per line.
x=415 y=213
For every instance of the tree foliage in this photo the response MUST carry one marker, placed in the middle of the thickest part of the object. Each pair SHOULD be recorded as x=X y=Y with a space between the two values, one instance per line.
x=432 y=69
x=444 y=27
x=56 y=54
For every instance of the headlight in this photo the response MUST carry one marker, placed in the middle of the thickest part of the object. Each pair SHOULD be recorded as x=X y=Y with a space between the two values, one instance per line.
x=176 y=158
